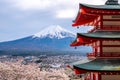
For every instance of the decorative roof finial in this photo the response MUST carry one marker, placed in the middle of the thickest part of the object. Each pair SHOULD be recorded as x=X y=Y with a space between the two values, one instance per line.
x=112 y=2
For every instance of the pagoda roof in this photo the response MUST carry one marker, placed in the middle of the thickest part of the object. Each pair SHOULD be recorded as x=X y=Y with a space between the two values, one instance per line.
x=108 y=7
x=90 y=14
x=87 y=38
x=84 y=18
x=102 y=34
x=98 y=65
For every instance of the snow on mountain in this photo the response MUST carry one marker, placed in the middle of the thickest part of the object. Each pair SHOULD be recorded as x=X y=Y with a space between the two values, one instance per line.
x=54 y=31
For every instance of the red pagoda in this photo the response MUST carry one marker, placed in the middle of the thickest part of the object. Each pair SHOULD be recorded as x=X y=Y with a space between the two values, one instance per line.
x=104 y=62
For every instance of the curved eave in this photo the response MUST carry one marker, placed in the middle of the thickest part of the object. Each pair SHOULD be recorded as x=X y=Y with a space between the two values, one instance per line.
x=87 y=38
x=111 y=35
x=75 y=43
x=84 y=18
x=100 y=65
x=103 y=7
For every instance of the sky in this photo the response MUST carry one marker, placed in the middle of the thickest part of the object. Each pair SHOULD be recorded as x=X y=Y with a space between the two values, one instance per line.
x=21 y=18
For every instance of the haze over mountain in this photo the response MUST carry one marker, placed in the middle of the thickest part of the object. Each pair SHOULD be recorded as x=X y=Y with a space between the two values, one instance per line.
x=49 y=39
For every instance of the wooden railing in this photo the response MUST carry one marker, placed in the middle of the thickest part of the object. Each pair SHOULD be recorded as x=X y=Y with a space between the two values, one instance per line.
x=105 y=54
x=110 y=54
x=106 y=27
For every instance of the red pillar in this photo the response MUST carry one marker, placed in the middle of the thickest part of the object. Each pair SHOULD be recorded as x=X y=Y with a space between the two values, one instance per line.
x=91 y=76
x=96 y=53
x=101 y=27
x=101 y=21
x=94 y=76
x=99 y=76
x=101 y=48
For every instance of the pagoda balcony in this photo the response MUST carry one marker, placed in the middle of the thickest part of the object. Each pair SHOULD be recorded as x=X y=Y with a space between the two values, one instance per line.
x=91 y=55
x=106 y=27
x=111 y=55
x=103 y=55
x=109 y=27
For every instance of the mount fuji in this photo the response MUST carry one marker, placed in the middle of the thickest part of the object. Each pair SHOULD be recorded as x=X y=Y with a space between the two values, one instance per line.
x=52 y=38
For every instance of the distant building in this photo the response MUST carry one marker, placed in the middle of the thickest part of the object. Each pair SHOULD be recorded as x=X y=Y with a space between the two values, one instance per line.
x=55 y=65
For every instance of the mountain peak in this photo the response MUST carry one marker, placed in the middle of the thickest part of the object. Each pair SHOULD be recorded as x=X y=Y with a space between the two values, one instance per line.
x=54 y=31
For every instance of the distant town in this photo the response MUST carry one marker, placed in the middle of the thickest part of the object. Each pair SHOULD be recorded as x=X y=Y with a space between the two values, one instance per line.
x=45 y=67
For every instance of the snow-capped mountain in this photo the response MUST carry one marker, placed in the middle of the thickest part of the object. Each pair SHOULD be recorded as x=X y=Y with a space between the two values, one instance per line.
x=50 y=38
x=54 y=31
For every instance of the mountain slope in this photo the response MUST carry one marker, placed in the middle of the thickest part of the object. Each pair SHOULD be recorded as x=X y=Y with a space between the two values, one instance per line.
x=49 y=39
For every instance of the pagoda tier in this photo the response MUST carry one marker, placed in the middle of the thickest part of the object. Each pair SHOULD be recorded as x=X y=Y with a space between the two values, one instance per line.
x=98 y=65
x=88 y=38
x=104 y=43
x=98 y=69
x=94 y=13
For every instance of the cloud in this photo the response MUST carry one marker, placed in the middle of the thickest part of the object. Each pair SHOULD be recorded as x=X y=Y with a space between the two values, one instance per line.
x=69 y=13
x=43 y=4
x=31 y=4
x=60 y=8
